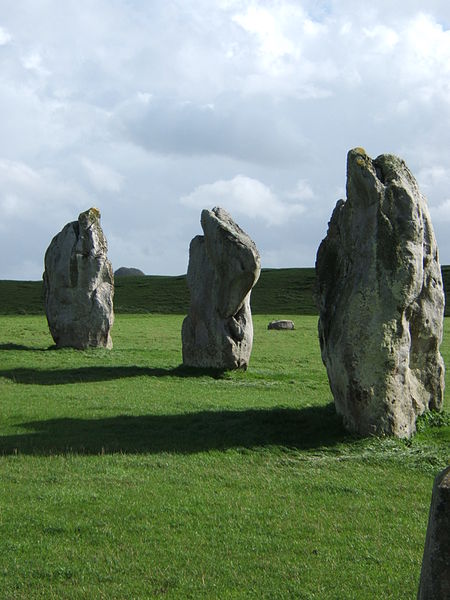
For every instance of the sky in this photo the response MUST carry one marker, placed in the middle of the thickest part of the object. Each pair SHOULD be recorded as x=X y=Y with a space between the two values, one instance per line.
x=152 y=110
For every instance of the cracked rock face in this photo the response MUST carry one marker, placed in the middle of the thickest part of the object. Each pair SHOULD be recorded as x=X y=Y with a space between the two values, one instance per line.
x=381 y=300
x=79 y=285
x=224 y=265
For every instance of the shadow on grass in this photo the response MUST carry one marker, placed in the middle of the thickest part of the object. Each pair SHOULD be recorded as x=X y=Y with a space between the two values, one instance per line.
x=306 y=428
x=91 y=374
x=10 y=346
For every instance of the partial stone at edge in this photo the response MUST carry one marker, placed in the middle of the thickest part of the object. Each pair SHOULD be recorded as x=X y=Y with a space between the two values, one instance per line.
x=435 y=574
x=79 y=285
x=381 y=300
x=224 y=265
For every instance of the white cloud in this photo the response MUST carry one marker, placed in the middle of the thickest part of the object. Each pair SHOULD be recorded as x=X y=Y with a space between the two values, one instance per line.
x=105 y=102
x=102 y=177
x=280 y=29
x=302 y=191
x=433 y=175
x=34 y=62
x=243 y=196
x=423 y=61
x=35 y=204
x=384 y=38
x=441 y=212
x=37 y=196
x=283 y=51
x=231 y=126
x=268 y=29
x=5 y=36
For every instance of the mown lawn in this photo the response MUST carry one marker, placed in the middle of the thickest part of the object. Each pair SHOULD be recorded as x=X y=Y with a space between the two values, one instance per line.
x=125 y=476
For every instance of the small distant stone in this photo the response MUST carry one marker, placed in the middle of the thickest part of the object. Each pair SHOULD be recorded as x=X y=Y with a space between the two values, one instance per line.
x=128 y=272
x=281 y=324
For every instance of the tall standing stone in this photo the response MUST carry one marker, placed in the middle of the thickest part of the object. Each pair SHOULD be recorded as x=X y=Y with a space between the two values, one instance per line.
x=79 y=285
x=435 y=574
x=224 y=265
x=381 y=300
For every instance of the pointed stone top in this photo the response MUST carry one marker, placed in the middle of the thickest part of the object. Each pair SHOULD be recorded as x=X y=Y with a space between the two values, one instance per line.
x=378 y=173
x=89 y=217
x=219 y=218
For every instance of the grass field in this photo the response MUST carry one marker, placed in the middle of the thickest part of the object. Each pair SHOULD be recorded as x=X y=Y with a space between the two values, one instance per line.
x=125 y=476
x=278 y=291
x=285 y=290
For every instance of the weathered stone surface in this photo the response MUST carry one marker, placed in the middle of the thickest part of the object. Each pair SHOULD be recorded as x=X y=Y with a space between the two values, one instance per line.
x=381 y=300
x=281 y=324
x=224 y=265
x=79 y=285
x=435 y=574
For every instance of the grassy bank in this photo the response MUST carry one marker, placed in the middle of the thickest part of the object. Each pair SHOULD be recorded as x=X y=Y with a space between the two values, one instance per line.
x=278 y=291
x=126 y=476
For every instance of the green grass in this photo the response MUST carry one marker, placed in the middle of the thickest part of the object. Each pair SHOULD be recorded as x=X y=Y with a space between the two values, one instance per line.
x=21 y=298
x=278 y=291
x=446 y=281
x=124 y=476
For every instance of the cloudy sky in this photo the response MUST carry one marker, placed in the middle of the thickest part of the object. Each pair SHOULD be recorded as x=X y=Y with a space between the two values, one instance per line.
x=154 y=109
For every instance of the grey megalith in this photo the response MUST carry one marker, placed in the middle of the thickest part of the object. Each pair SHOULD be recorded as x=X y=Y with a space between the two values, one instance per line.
x=224 y=265
x=381 y=300
x=79 y=285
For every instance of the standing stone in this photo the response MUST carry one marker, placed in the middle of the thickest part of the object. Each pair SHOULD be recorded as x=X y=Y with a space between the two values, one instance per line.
x=381 y=300
x=435 y=575
x=281 y=324
x=79 y=285
x=224 y=265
